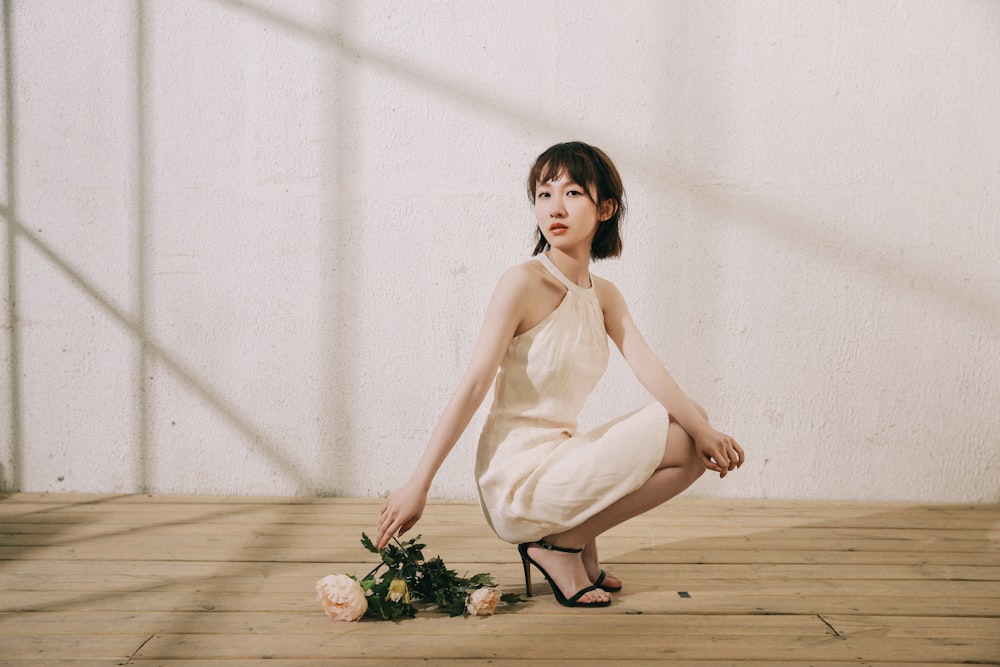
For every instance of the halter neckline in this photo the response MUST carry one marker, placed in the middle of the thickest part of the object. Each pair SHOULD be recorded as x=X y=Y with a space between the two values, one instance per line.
x=554 y=270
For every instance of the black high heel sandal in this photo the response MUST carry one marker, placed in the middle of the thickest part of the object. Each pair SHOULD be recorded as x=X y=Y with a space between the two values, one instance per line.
x=527 y=561
x=599 y=583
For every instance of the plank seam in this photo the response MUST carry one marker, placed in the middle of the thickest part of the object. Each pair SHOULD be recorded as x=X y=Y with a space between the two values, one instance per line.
x=128 y=661
x=829 y=625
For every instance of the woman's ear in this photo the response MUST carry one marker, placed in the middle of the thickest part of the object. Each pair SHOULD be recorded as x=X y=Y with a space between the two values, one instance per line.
x=607 y=209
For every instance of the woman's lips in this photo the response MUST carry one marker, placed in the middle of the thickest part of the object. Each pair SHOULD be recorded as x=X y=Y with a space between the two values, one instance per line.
x=557 y=228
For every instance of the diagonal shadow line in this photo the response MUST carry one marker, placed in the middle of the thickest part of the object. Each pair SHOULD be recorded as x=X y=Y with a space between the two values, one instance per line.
x=62 y=605
x=204 y=586
x=132 y=530
x=485 y=102
x=240 y=421
x=961 y=301
x=906 y=276
x=229 y=568
x=57 y=507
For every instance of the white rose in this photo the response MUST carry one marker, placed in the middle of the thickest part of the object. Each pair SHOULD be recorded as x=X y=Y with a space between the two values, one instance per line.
x=343 y=598
x=482 y=601
x=398 y=591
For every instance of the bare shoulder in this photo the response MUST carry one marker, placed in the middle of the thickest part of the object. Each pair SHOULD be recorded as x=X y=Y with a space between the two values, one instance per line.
x=607 y=294
x=532 y=292
x=530 y=276
x=520 y=285
x=524 y=276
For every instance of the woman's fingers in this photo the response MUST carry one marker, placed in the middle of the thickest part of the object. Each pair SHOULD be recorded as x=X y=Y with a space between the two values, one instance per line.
x=387 y=526
x=734 y=454
x=385 y=534
x=392 y=525
x=720 y=453
x=739 y=450
x=715 y=465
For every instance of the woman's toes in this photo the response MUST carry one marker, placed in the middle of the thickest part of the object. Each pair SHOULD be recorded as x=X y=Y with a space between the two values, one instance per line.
x=598 y=596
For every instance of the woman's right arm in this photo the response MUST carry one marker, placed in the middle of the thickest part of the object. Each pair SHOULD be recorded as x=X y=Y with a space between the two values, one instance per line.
x=405 y=505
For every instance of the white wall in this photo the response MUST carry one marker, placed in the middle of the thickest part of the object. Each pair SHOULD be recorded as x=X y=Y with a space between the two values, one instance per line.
x=247 y=245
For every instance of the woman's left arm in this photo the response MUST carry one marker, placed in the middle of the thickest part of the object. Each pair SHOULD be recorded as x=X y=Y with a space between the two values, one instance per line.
x=718 y=451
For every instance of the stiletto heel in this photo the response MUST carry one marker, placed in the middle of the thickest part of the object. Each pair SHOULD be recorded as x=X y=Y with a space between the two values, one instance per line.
x=527 y=571
x=574 y=601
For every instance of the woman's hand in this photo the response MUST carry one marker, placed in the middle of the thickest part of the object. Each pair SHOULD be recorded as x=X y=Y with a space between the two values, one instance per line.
x=402 y=509
x=718 y=451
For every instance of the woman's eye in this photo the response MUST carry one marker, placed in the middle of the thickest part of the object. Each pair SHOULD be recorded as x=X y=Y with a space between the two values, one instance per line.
x=542 y=195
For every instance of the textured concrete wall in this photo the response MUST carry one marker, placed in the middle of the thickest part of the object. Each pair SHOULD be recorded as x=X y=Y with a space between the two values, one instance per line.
x=247 y=245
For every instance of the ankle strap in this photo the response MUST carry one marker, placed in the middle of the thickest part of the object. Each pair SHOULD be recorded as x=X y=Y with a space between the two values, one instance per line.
x=551 y=547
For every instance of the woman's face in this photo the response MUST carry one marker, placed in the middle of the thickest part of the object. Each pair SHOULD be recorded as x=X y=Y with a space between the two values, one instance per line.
x=566 y=213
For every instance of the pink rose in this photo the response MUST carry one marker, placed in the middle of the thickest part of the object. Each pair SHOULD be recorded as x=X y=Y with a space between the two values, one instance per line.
x=343 y=598
x=482 y=601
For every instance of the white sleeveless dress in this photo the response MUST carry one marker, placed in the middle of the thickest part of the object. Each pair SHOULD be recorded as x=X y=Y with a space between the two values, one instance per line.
x=536 y=474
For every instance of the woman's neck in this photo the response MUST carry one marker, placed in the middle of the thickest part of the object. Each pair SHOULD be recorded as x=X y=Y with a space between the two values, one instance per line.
x=575 y=266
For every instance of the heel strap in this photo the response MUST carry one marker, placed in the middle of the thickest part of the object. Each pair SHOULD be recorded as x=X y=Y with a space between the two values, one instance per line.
x=551 y=547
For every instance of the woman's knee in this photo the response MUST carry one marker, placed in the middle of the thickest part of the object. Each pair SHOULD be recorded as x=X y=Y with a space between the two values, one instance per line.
x=679 y=450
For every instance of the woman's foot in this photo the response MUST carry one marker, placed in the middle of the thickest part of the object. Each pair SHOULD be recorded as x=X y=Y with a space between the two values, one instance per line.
x=592 y=564
x=568 y=573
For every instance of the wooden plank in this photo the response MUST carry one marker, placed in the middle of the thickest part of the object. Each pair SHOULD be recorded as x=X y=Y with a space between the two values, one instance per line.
x=636 y=580
x=36 y=534
x=664 y=555
x=613 y=621
x=114 y=648
x=468 y=642
x=676 y=511
x=506 y=622
x=654 y=602
x=462 y=662
x=728 y=511
x=715 y=506
x=642 y=580
x=472 y=516
x=915 y=626
x=99 y=574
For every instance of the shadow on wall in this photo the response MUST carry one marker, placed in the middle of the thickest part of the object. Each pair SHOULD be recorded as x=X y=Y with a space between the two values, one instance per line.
x=19 y=232
x=770 y=219
x=960 y=300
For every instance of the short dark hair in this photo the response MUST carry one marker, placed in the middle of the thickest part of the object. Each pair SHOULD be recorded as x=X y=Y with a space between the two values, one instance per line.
x=591 y=168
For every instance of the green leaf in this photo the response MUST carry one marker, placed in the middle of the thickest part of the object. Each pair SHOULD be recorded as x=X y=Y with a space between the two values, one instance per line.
x=482 y=579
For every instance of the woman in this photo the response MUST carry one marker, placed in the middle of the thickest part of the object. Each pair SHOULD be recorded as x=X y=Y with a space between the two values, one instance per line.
x=543 y=485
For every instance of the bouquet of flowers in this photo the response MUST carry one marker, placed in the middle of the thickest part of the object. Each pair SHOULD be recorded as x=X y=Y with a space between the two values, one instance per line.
x=408 y=580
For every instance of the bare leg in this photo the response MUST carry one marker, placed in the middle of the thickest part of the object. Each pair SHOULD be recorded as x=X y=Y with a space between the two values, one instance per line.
x=592 y=563
x=677 y=471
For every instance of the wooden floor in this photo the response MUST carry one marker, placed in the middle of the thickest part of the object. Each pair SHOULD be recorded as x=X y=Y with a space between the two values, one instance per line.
x=229 y=581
